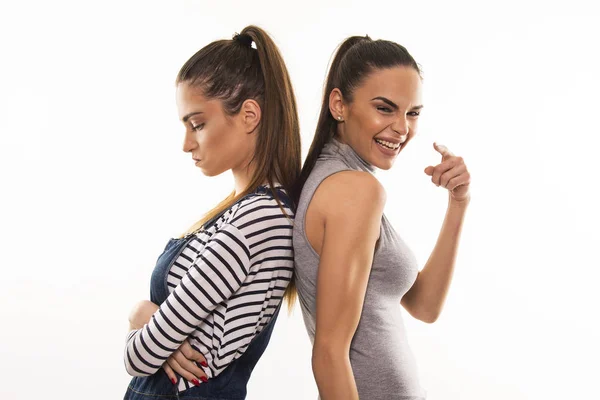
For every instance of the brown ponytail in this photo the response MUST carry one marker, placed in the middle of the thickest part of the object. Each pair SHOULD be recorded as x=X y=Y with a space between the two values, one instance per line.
x=250 y=66
x=354 y=60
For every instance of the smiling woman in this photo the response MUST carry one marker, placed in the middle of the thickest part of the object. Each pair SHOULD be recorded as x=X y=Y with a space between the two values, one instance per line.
x=354 y=273
x=372 y=125
x=216 y=291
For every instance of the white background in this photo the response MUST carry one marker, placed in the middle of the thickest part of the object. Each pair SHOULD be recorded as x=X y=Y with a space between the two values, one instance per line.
x=94 y=182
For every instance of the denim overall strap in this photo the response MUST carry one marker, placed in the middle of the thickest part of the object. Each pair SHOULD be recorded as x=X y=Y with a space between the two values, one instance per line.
x=229 y=384
x=159 y=289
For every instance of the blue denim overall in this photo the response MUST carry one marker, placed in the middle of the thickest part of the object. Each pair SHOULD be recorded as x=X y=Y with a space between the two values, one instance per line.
x=229 y=384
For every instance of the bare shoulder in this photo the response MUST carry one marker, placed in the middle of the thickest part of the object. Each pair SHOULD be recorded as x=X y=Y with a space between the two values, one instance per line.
x=350 y=191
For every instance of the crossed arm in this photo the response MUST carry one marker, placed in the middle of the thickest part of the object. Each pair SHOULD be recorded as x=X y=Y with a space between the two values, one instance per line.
x=182 y=360
x=166 y=330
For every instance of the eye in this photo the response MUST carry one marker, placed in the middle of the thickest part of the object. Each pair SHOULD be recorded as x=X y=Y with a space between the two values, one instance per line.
x=414 y=113
x=384 y=109
x=197 y=127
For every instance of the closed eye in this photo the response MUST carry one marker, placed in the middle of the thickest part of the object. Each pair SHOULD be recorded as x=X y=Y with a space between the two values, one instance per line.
x=384 y=109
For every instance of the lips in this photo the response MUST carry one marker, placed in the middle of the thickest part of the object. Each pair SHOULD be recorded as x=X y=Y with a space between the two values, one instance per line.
x=388 y=144
x=394 y=139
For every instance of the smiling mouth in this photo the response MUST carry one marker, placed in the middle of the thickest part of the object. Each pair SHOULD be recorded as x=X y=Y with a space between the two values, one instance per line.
x=388 y=145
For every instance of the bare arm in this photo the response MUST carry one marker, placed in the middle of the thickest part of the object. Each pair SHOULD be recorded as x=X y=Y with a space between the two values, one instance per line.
x=426 y=298
x=352 y=225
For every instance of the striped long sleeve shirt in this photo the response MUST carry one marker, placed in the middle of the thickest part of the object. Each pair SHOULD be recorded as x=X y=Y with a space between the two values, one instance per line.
x=224 y=287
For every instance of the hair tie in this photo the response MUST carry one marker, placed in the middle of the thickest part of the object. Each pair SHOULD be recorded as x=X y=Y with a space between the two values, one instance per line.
x=243 y=38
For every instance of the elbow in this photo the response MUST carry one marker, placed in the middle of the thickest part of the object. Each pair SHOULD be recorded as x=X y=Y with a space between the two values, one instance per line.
x=320 y=357
x=133 y=370
x=429 y=316
x=428 y=313
x=328 y=357
x=132 y=363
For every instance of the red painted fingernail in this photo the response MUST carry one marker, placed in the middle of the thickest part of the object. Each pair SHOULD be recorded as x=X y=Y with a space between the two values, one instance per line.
x=204 y=364
x=203 y=378
x=195 y=382
x=174 y=381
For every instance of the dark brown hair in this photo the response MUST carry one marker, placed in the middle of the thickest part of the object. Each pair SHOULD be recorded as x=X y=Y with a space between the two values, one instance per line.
x=233 y=71
x=355 y=59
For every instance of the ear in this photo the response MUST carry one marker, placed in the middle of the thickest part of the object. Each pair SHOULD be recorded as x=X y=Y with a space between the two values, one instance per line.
x=336 y=105
x=250 y=114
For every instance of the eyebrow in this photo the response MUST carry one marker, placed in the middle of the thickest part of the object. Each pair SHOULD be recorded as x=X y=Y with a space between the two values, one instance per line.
x=394 y=105
x=188 y=116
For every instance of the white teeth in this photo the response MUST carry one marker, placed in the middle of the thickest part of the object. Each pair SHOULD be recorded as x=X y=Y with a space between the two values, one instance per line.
x=389 y=145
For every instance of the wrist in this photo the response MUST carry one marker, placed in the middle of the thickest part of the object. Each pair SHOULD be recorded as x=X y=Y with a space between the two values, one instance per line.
x=459 y=203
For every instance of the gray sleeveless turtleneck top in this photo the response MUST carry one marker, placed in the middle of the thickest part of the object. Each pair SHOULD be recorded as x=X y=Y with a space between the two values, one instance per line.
x=383 y=365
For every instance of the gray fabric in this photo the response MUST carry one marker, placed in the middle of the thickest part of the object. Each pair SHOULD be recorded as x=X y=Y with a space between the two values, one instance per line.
x=382 y=362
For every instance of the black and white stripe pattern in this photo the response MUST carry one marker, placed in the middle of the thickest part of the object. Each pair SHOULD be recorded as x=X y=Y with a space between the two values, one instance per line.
x=224 y=287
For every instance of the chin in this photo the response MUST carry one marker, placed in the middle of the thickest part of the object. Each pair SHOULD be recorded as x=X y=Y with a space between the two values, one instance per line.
x=385 y=165
x=211 y=172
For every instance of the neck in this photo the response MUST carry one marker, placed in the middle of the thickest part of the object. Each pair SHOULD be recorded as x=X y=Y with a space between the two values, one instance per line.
x=242 y=178
x=337 y=149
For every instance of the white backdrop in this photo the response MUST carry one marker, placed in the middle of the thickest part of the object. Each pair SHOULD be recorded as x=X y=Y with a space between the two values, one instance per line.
x=90 y=154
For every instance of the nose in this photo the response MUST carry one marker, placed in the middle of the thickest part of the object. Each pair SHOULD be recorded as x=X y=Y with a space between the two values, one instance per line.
x=400 y=126
x=189 y=141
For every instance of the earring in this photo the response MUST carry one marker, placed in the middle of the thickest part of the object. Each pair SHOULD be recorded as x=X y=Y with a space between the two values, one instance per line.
x=340 y=118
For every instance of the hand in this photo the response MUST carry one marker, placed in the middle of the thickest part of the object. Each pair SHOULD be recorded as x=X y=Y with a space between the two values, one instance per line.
x=182 y=362
x=141 y=313
x=451 y=174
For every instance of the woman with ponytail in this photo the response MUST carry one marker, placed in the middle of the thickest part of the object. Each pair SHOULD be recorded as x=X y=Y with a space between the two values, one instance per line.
x=353 y=271
x=215 y=292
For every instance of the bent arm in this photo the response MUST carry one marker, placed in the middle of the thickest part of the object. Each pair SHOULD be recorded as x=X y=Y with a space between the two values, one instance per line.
x=426 y=297
x=217 y=273
x=352 y=226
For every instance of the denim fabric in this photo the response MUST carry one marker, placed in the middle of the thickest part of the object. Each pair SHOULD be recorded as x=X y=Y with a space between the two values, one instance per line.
x=229 y=384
